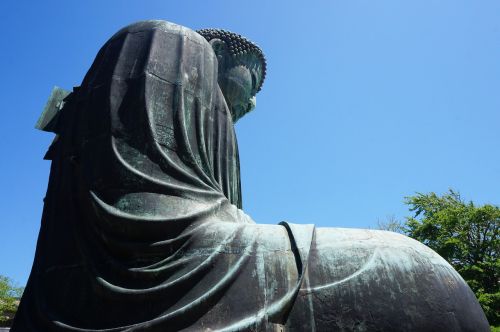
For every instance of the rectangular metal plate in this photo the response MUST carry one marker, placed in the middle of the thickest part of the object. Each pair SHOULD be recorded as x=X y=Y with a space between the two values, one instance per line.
x=54 y=104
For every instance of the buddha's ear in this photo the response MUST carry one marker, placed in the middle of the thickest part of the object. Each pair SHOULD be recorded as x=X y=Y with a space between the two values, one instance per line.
x=220 y=49
x=218 y=46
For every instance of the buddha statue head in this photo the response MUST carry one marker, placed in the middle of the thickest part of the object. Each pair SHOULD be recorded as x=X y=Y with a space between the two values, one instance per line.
x=242 y=69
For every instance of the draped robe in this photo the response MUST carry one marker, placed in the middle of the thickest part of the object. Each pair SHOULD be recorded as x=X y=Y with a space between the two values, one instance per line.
x=142 y=228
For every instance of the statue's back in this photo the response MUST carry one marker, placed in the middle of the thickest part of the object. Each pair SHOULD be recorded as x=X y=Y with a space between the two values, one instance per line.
x=142 y=228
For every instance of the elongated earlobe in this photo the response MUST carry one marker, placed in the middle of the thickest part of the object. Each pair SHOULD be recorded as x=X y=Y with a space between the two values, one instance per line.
x=219 y=48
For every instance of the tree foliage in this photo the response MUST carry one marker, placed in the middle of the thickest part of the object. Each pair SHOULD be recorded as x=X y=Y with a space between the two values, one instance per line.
x=9 y=300
x=467 y=236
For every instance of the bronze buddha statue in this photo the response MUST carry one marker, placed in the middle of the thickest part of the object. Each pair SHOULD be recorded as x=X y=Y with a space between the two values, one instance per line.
x=142 y=228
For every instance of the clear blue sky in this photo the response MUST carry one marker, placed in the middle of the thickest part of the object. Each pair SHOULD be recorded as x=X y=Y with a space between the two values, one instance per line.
x=365 y=102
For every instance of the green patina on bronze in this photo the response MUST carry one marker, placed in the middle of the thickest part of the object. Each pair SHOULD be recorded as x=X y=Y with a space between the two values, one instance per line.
x=242 y=69
x=142 y=228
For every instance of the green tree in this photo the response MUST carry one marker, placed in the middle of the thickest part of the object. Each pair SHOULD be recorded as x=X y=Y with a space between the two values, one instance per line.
x=467 y=236
x=9 y=300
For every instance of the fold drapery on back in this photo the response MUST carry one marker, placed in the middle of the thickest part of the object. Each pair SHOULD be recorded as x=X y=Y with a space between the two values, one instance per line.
x=152 y=99
x=146 y=157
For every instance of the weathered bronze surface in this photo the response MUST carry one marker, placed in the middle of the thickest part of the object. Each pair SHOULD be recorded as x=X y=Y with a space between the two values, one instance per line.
x=142 y=228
